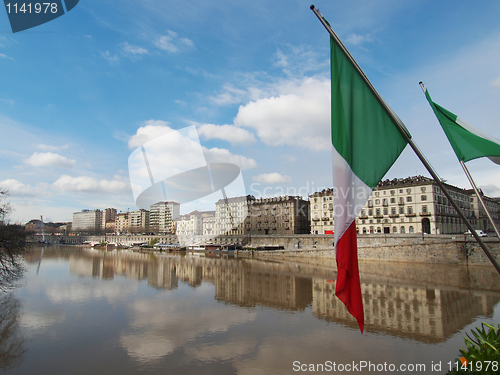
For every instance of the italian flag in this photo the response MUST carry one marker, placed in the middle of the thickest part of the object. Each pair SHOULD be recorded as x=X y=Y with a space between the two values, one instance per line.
x=467 y=141
x=366 y=141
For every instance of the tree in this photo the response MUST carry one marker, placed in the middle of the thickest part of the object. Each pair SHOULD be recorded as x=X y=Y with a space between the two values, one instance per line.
x=12 y=247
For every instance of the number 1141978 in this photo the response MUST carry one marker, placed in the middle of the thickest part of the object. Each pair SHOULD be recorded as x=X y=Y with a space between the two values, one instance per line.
x=31 y=8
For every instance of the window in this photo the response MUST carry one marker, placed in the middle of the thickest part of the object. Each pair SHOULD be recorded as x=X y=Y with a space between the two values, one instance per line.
x=408 y=191
x=378 y=212
x=422 y=189
x=410 y=210
x=377 y=201
x=393 y=192
x=423 y=197
x=394 y=230
x=408 y=199
x=410 y=229
x=393 y=200
x=386 y=211
x=401 y=210
x=402 y=230
x=370 y=212
x=424 y=209
x=393 y=211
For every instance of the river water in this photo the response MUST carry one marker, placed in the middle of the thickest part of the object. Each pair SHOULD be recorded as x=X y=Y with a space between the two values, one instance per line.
x=86 y=311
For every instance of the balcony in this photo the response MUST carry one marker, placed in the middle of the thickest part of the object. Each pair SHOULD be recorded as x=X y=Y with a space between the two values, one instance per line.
x=378 y=216
x=363 y=216
x=425 y=214
x=316 y=219
x=401 y=203
x=325 y=218
x=410 y=215
x=394 y=215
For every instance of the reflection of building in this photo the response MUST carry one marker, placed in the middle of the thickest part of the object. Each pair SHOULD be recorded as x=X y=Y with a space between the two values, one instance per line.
x=245 y=287
x=408 y=306
x=162 y=275
x=405 y=205
x=419 y=312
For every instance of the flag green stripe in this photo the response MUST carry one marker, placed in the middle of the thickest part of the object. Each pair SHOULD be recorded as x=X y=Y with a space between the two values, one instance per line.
x=467 y=145
x=363 y=132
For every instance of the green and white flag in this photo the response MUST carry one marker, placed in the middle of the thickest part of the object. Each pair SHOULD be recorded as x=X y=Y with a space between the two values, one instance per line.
x=467 y=141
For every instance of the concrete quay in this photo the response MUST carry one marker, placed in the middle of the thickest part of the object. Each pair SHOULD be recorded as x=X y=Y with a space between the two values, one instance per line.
x=413 y=248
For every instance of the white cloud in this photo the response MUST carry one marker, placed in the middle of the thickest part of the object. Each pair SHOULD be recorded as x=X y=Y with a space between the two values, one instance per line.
x=130 y=49
x=91 y=184
x=230 y=95
x=110 y=57
x=356 y=39
x=228 y=133
x=172 y=42
x=4 y=56
x=18 y=189
x=220 y=155
x=151 y=129
x=45 y=147
x=49 y=159
x=298 y=116
x=495 y=82
x=272 y=178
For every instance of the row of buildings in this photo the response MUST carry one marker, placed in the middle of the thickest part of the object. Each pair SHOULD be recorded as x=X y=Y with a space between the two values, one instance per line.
x=409 y=205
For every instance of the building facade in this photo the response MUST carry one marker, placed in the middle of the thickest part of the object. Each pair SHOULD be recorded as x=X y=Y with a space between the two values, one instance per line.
x=278 y=215
x=230 y=214
x=87 y=220
x=108 y=214
x=138 y=221
x=162 y=216
x=405 y=205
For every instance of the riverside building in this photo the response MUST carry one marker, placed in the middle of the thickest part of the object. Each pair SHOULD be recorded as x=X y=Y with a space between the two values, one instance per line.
x=404 y=205
x=278 y=215
x=162 y=216
x=87 y=220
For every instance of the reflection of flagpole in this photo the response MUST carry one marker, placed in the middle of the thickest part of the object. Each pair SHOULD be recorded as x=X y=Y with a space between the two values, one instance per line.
x=479 y=197
x=407 y=137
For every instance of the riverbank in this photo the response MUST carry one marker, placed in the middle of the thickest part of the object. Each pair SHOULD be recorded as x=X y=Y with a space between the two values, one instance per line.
x=409 y=248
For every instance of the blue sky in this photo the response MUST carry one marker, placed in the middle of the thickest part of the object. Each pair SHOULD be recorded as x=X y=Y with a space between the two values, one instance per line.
x=75 y=93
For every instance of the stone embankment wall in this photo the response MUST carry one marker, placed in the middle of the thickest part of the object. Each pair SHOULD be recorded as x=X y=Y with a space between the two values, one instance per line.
x=442 y=249
x=415 y=248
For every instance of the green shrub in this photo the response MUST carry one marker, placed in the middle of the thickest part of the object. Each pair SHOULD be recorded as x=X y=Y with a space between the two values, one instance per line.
x=482 y=352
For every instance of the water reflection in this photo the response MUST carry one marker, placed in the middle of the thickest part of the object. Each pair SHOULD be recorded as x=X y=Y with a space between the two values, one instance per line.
x=133 y=311
x=406 y=305
x=11 y=342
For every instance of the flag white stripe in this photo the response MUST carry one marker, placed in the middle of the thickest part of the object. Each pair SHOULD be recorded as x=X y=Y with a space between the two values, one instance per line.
x=349 y=196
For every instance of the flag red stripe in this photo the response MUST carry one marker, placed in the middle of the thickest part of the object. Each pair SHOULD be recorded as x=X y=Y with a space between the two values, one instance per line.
x=348 y=288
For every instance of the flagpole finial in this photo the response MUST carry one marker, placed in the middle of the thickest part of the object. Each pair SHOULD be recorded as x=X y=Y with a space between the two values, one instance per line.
x=312 y=6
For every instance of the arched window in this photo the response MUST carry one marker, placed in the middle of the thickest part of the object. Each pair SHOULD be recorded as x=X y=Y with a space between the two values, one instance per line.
x=410 y=229
x=402 y=230
x=394 y=230
x=364 y=230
